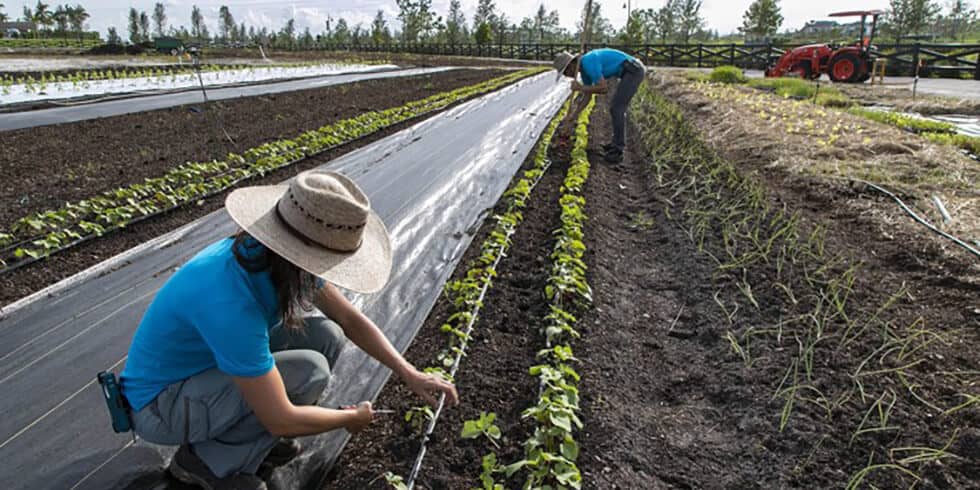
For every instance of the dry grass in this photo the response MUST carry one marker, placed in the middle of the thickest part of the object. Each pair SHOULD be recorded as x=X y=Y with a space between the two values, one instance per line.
x=805 y=139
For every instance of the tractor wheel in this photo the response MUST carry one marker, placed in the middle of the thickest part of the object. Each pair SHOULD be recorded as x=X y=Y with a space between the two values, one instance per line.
x=847 y=68
x=864 y=78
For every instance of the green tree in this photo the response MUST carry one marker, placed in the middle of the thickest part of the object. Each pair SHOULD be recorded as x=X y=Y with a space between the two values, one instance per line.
x=77 y=16
x=112 y=37
x=600 y=29
x=159 y=19
x=60 y=18
x=633 y=33
x=455 y=23
x=226 y=24
x=762 y=19
x=341 y=33
x=380 y=33
x=959 y=19
x=418 y=19
x=134 y=26
x=486 y=13
x=910 y=17
x=483 y=34
x=3 y=16
x=288 y=33
x=689 y=19
x=198 y=29
x=144 y=26
x=546 y=23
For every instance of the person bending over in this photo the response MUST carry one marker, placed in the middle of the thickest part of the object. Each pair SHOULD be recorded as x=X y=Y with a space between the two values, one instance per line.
x=596 y=68
x=225 y=365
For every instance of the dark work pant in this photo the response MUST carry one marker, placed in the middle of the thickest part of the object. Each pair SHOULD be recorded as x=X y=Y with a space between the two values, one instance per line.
x=633 y=75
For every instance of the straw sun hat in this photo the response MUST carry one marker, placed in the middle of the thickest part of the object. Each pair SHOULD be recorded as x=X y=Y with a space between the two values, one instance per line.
x=562 y=60
x=321 y=222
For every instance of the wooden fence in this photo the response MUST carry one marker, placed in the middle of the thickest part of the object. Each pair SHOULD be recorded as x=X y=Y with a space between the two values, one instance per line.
x=942 y=60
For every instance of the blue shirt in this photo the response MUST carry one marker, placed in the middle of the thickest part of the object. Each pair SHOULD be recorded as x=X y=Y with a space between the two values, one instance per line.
x=211 y=314
x=602 y=63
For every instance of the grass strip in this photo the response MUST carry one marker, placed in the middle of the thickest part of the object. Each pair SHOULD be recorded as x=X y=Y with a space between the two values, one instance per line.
x=39 y=235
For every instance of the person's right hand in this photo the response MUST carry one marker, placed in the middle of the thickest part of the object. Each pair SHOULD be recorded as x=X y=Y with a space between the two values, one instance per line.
x=363 y=416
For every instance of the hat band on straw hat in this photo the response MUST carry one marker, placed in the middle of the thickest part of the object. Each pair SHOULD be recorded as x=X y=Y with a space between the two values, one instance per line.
x=332 y=236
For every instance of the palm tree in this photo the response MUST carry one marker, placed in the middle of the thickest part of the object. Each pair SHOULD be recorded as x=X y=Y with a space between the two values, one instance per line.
x=42 y=15
x=77 y=17
x=3 y=16
x=60 y=18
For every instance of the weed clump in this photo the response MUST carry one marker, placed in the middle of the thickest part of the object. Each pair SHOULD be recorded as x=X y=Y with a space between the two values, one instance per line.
x=727 y=74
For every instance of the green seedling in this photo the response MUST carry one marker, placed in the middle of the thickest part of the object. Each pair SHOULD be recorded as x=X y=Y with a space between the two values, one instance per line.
x=482 y=426
x=418 y=417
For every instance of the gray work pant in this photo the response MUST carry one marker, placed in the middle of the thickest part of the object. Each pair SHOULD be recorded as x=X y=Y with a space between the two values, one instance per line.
x=208 y=412
x=633 y=75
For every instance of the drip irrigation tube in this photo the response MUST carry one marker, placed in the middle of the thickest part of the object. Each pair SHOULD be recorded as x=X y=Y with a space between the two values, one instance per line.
x=919 y=219
x=417 y=466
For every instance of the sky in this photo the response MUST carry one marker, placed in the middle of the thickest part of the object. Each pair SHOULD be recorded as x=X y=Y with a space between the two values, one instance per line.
x=723 y=15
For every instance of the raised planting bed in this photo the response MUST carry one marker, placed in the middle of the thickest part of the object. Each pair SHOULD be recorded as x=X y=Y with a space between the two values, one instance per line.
x=88 y=84
x=494 y=312
x=787 y=344
x=26 y=184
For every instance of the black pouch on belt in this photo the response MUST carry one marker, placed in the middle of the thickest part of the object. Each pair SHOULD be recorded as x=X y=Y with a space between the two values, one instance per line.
x=118 y=406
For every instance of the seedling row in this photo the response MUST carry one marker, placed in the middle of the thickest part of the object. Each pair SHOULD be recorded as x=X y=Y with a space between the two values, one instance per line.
x=41 y=234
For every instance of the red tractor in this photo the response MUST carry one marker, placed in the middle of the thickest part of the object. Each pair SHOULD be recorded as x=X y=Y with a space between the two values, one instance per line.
x=847 y=64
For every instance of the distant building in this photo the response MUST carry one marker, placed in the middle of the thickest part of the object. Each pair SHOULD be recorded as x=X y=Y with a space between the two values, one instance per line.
x=819 y=27
x=15 y=29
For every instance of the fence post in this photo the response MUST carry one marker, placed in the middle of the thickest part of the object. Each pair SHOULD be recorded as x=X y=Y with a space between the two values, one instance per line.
x=731 y=55
x=700 y=54
x=673 y=56
x=976 y=71
x=915 y=60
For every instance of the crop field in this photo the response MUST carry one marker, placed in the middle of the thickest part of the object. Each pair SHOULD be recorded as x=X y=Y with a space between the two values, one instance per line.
x=778 y=287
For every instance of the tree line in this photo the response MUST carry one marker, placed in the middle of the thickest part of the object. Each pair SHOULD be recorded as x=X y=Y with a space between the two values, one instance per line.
x=675 y=21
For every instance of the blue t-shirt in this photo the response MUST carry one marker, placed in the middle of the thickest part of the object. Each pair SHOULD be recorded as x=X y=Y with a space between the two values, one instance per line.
x=211 y=314
x=602 y=63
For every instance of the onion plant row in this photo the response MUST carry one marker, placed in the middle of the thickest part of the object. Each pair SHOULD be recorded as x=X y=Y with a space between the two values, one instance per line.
x=550 y=453
x=467 y=295
x=829 y=357
x=41 y=234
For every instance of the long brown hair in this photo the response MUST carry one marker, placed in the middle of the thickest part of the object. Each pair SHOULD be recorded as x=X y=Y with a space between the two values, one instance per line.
x=294 y=286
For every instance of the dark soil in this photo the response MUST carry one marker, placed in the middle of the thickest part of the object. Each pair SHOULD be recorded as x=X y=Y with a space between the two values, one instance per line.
x=666 y=403
x=41 y=168
x=493 y=376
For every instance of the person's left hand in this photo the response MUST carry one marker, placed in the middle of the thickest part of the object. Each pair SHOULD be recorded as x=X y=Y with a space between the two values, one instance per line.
x=576 y=86
x=428 y=386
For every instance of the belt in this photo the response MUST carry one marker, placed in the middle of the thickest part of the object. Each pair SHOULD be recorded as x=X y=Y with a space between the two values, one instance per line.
x=633 y=64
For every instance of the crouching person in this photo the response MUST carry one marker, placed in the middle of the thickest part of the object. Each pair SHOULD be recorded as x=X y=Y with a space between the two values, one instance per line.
x=225 y=365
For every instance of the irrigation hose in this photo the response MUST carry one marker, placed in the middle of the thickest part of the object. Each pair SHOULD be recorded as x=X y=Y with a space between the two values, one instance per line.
x=417 y=466
x=917 y=218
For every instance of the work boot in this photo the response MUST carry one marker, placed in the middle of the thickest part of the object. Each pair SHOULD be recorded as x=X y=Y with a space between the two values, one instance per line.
x=607 y=147
x=614 y=156
x=283 y=452
x=187 y=468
